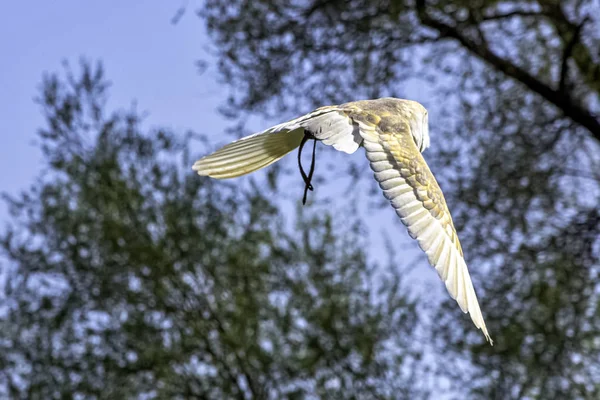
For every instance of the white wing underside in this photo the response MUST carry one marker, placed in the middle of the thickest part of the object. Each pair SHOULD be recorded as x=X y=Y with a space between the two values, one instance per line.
x=261 y=149
x=329 y=125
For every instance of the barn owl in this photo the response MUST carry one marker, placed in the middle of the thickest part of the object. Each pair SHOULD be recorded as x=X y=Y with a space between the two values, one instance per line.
x=394 y=133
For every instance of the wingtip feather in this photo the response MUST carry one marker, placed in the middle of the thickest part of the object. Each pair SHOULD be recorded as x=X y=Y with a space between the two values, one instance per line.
x=248 y=154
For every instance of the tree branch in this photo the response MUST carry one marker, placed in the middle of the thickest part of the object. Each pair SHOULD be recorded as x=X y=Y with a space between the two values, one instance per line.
x=317 y=5
x=564 y=68
x=252 y=386
x=516 y=13
x=570 y=109
x=590 y=70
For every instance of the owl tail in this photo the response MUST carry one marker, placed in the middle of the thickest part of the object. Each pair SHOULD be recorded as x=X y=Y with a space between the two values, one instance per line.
x=249 y=154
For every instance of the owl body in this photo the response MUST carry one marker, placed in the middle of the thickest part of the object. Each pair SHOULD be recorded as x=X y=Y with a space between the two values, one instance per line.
x=391 y=115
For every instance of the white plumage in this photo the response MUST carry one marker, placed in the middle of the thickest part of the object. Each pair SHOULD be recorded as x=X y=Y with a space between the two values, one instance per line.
x=393 y=132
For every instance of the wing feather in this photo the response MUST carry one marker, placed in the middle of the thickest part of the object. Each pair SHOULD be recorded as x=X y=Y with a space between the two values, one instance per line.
x=248 y=154
x=331 y=125
x=413 y=192
x=328 y=124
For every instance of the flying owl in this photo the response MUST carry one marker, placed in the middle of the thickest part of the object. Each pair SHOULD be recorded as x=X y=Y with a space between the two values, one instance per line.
x=393 y=132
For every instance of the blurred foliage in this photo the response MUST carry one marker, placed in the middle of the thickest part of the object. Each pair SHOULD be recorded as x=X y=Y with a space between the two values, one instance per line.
x=128 y=276
x=513 y=90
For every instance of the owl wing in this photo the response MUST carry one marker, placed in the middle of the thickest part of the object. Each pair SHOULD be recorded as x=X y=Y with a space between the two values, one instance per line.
x=411 y=188
x=329 y=124
x=399 y=168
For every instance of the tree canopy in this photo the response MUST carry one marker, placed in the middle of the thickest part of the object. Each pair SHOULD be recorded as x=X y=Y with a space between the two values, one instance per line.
x=128 y=276
x=513 y=90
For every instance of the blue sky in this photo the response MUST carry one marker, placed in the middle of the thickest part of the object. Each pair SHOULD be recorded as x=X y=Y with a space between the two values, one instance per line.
x=148 y=60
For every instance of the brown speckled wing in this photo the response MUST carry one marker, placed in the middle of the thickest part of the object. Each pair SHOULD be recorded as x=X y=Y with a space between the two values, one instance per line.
x=413 y=192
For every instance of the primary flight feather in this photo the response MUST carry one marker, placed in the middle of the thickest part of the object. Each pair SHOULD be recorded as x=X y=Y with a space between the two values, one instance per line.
x=393 y=132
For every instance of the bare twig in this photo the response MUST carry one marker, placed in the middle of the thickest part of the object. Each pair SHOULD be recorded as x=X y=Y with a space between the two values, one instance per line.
x=564 y=68
x=516 y=13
